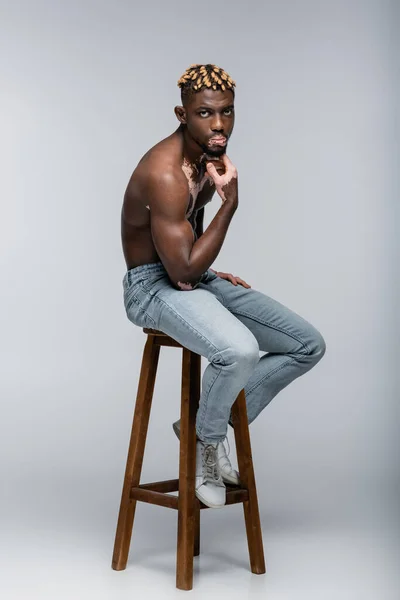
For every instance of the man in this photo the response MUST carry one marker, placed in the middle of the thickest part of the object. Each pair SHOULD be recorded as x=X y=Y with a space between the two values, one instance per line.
x=170 y=286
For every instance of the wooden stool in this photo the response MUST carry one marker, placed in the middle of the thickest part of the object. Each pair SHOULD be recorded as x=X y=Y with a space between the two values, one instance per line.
x=186 y=503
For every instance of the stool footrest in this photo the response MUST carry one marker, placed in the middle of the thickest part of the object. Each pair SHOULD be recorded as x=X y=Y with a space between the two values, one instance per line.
x=153 y=497
x=157 y=493
x=168 y=485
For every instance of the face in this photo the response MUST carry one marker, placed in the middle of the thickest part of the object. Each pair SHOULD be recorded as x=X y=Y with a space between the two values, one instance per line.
x=210 y=114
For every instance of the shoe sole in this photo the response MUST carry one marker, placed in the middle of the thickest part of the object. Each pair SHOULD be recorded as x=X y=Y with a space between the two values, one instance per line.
x=176 y=429
x=225 y=478
x=206 y=502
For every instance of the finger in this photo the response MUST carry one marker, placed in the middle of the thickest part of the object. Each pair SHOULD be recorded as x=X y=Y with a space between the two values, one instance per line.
x=243 y=282
x=218 y=163
x=213 y=171
x=232 y=279
x=227 y=162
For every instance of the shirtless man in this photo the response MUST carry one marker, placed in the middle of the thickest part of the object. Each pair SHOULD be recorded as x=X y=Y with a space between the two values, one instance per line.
x=169 y=285
x=164 y=202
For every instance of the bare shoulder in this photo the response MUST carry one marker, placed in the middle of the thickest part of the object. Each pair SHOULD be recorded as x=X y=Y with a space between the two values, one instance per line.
x=159 y=169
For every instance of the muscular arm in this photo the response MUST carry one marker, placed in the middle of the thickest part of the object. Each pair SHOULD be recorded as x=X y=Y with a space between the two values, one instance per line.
x=199 y=222
x=184 y=260
x=199 y=225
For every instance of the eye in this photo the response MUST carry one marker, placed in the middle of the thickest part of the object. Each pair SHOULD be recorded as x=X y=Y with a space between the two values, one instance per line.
x=203 y=111
x=230 y=110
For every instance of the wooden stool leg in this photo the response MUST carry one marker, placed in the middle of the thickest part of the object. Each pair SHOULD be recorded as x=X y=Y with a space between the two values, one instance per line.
x=135 y=453
x=197 y=528
x=191 y=364
x=246 y=471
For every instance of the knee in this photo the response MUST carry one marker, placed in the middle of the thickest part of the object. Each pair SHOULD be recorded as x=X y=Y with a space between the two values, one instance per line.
x=317 y=346
x=244 y=354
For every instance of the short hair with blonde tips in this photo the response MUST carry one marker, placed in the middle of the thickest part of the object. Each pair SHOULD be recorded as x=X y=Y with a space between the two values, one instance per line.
x=198 y=77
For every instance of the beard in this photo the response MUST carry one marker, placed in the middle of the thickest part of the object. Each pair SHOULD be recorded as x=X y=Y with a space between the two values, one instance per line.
x=216 y=151
x=212 y=151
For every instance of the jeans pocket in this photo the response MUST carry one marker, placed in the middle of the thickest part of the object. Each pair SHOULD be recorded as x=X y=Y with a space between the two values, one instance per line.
x=155 y=282
x=135 y=311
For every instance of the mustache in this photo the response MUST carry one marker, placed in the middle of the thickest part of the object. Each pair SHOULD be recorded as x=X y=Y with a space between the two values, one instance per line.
x=216 y=151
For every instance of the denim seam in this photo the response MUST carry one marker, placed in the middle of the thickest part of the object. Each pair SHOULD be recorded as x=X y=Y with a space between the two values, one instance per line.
x=248 y=315
x=218 y=292
x=130 y=301
x=202 y=416
x=133 y=299
x=152 y=321
x=268 y=375
x=223 y=298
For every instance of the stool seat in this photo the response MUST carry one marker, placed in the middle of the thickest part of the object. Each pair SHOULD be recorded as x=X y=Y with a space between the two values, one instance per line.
x=153 y=331
x=159 y=492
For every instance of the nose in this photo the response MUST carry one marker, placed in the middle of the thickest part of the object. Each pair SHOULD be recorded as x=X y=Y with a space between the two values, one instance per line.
x=217 y=125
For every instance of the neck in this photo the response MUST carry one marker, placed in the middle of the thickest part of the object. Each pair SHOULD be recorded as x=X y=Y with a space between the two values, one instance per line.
x=192 y=153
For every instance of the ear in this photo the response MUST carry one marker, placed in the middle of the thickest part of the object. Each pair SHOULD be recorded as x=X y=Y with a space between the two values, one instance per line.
x=180 y=114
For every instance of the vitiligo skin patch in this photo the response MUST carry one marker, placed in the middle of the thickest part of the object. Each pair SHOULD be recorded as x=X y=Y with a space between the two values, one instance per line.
x=194 y=187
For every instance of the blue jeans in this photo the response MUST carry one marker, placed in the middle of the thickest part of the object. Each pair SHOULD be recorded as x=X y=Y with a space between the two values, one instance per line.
x=228 y=325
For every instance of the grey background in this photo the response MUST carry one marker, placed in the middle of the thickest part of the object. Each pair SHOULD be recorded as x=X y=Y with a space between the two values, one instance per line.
x=87 y=88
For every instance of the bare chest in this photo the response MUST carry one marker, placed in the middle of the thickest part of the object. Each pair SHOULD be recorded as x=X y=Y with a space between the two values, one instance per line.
x=195 y=186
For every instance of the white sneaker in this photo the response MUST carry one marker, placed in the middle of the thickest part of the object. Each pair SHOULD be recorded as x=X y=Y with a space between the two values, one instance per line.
x=209 y=487
x=228 y=473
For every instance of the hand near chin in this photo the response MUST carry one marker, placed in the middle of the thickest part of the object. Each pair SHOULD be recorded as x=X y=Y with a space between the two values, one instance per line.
x=227 y=183
x=218 y=164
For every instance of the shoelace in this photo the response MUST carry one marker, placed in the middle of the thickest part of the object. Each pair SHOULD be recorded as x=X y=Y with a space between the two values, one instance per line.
x=210 y=469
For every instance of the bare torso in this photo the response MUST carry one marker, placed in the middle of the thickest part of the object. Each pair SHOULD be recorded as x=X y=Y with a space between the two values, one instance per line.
x=137 y=242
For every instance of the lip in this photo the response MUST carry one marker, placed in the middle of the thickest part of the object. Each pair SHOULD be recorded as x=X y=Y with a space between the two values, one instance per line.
x=218 y=140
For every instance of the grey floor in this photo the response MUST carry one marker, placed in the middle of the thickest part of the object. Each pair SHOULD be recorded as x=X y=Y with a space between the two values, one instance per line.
x=58 y=537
